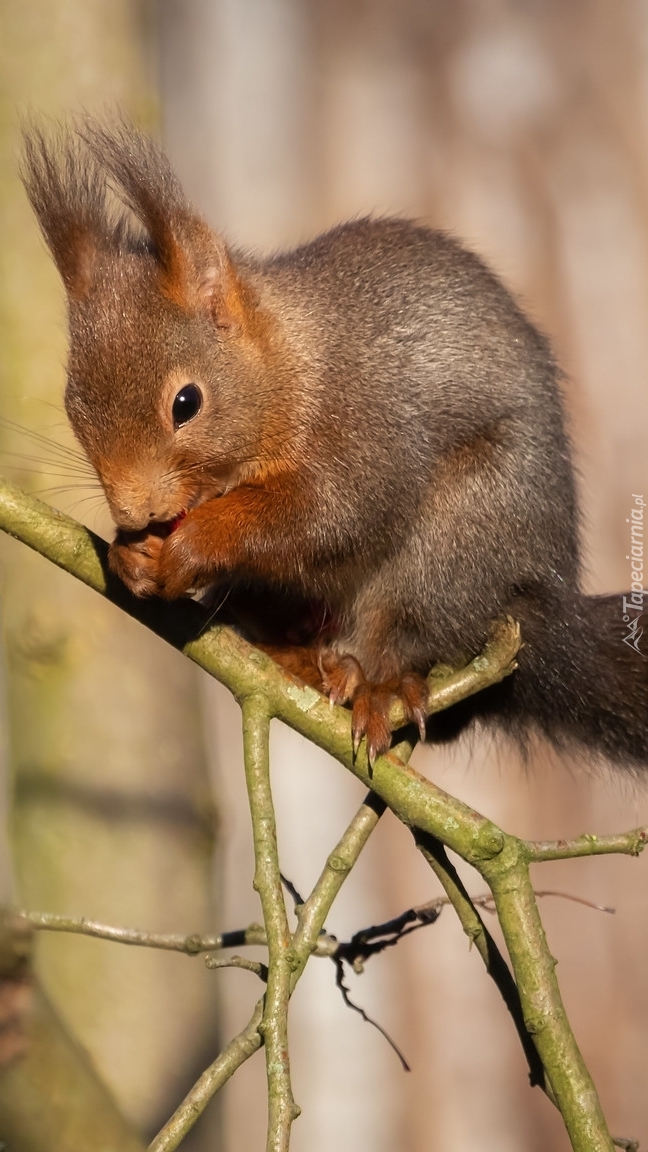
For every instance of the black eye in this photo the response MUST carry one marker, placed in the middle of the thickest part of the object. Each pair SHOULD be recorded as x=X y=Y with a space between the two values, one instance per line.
x=186 y=405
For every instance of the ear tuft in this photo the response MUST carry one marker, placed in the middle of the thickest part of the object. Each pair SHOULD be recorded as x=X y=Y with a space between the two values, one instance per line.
x=196 y=270
x=67 y=183
x=67 y=193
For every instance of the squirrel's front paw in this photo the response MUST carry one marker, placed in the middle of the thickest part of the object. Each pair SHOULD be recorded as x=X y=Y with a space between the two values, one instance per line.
x=185 y=563
x=134 y=557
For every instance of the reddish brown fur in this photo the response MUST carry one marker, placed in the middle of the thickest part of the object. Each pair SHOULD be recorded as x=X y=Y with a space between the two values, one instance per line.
x=380 y=432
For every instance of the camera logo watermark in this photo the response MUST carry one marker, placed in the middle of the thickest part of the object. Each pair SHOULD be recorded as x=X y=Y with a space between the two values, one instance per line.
x=633 y=604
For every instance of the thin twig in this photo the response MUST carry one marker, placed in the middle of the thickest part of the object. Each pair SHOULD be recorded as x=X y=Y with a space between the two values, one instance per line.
x=255 y=966
x=295 y=896
x=626 y=843
x=306 y=940
x=447 y=686
x=254 y=935
x=282 y=1109
x=542 y=892
x=173 y=942
x=545 y=1018
x=434 y=852
x=314 y=910
x=346 y=996
x=236 y=1053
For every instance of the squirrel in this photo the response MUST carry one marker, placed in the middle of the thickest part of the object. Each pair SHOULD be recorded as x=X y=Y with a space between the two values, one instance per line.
x=367 y=425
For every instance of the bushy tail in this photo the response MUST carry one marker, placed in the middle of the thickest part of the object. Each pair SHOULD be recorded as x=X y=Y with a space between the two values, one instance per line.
x=581 y=681
x=584 y=677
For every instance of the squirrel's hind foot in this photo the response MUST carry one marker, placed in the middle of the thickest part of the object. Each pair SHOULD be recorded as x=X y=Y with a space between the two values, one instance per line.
x=341 y=677
x=344 y=682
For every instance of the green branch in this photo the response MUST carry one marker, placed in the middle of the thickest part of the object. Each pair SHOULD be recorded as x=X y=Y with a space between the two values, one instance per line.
x=625 y=843
x=282 y=1109
x=436 y=856
x=220 y=652
x=314 y=910
x=213 y=1078
x=503 y=861
x=172 y=942
x=312 y=916
x=534 y=969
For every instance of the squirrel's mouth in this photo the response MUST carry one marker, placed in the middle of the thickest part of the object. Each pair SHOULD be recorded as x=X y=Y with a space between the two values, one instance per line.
x=173 y=524
x=167 y=527
x=163 y=527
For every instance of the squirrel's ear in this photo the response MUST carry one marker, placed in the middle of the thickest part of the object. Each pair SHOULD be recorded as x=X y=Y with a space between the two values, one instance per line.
x=198 y=273
x=229 y=300
x=67 y=194
x=195 y=266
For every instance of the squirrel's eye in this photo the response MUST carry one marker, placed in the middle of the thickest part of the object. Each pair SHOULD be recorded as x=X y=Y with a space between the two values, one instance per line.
x=186 y=405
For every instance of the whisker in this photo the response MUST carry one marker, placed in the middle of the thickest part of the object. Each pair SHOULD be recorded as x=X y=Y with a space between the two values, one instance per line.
x=204 y=466
x=63 y=422
x=55 y=489
x=64 y=450
x=52 y=458
x=62 y=467
x=224 y=598
x=76 y=504
x=262 y=453
x=94 y=496
x=85 y=507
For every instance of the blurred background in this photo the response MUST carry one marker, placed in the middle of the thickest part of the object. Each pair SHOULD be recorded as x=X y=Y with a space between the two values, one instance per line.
x=522 y=128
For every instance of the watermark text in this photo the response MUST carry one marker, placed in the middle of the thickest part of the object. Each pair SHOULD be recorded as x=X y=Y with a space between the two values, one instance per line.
x=634 y=602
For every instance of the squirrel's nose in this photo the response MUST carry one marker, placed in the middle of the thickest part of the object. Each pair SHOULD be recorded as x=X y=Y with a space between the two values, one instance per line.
x=136 y=519
x=129 y=520
x=136 y=499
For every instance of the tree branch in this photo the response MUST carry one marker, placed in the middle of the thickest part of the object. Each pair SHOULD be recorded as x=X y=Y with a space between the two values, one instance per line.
x=282 y=1109
x=626 y=843
x=544 y=1014
x=191 y=945
x=264 y=691
x=255 y=966
x=236 y=1053
x=315 y=909
x=314 y=913
x=433 y=851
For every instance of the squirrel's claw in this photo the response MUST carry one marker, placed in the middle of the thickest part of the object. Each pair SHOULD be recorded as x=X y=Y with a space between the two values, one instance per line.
x=341 y=675
x=372 y=704
x=370 y=718
x=414 y=692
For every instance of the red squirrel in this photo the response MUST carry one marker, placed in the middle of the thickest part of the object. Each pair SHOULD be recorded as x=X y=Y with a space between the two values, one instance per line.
x=368 y=424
